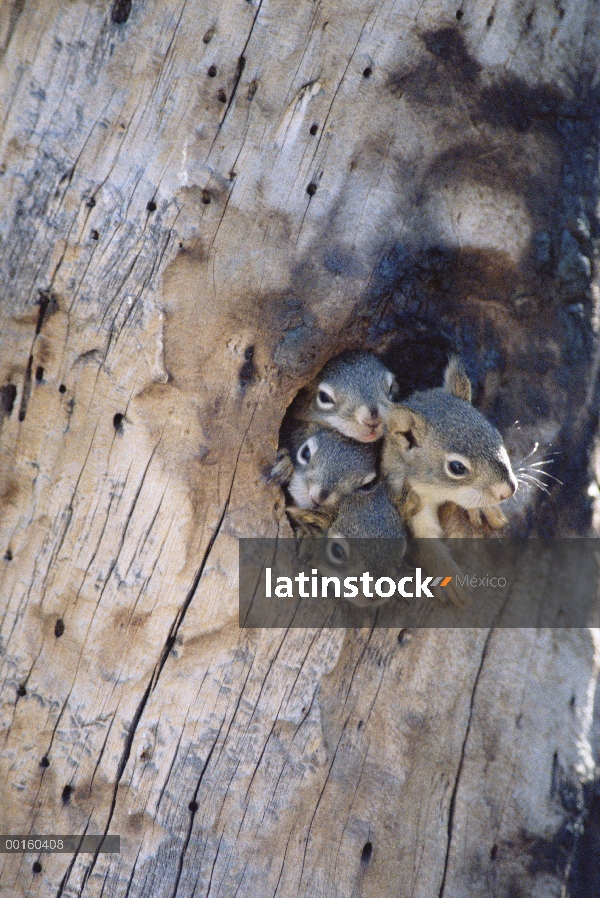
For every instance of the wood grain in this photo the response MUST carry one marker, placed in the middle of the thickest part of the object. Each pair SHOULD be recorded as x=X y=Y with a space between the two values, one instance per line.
x=180 y=253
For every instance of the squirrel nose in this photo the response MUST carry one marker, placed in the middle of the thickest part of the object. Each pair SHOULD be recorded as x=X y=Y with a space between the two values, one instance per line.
x=506 y=490
x=371 y=417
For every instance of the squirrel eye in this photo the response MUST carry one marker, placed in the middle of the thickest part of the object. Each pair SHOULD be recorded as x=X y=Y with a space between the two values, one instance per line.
x=325 y=399
x=336 y=552
x=456 y=468
x=304 y=454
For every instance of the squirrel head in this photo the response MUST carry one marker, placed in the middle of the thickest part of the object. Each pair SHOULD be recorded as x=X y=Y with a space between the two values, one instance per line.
x=449 y=450
x=353 y=395
x=367 y=514
x=365 y=533
x=327 y=467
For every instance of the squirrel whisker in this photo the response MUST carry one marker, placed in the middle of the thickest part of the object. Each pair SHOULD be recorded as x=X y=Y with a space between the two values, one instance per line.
x=532 y=476
x=535 y=469
x=532 y=480
x=533 y=451
x=547 y=474
x=546 y=460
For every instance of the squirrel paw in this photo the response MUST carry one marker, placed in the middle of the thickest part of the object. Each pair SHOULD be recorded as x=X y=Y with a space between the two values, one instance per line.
x=283 y=468
x=435 y=558
x=495 y=517
x=408 y=504
x=310 y=522
x=458 y=595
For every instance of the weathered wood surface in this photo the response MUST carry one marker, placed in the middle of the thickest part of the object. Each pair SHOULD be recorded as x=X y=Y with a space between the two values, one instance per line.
x=169 y=283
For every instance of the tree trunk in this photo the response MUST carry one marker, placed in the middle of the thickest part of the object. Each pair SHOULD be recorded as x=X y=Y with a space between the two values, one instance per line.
x=201 y=203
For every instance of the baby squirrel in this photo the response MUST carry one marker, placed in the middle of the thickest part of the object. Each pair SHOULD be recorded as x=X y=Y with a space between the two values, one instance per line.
x=447 y=469
x=367 y=515
x=439 y=449
x=321 y=467
x=352 y=394
x=323 y=455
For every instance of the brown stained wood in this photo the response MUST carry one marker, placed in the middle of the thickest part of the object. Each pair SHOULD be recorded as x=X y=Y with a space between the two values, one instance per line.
x=200 y=204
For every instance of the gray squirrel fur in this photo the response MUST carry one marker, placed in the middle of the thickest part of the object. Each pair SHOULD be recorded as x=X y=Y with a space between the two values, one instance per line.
x=432 y=436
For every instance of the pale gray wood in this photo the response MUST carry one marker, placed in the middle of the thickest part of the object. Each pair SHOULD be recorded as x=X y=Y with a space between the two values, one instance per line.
x=264 y=763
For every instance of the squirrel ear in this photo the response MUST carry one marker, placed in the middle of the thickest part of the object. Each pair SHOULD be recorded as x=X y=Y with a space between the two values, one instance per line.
x=400 y=419
x=456 y=380
x=403 y=421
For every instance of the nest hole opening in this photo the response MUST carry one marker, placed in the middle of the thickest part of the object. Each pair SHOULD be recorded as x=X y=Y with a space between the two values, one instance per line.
x=350 y=439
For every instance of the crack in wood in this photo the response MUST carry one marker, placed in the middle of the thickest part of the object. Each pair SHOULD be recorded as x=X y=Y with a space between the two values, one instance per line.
x=241 y=63
x=193 y=812
x=148 y=691
x=452 y=806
